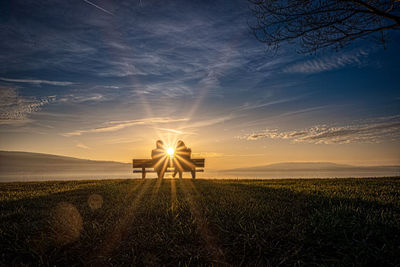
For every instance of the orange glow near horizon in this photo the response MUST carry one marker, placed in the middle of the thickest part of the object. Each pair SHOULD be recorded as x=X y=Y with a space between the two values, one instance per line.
x=219 y=146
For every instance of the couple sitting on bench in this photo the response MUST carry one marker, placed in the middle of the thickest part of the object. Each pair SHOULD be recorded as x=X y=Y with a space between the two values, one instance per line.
x=162 y=158
x=179 y=159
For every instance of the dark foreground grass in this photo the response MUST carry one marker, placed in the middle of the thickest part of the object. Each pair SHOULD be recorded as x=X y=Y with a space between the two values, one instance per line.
x=201 y=222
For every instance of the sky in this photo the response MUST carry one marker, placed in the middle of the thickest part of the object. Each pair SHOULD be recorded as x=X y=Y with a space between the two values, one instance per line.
x=104 y=80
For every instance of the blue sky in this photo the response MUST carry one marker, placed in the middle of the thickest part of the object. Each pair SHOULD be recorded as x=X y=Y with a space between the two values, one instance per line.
x=105 y=79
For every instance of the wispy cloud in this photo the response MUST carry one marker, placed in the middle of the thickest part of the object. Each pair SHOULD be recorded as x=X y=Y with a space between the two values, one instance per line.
x=81 y=98
x=112 y=126
x=208 y=155
x=80 y=145
x=375 y=131
x=15 y=109
x=174 y=88
x=208 y=122
x=224 y=155
x=123 y=140
x=169 y=130
x=31 y=81
x=98 y=7
x=259 y=104
x=172 y=55
x=328 y=63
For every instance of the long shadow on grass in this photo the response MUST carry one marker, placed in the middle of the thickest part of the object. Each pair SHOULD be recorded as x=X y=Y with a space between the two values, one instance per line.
x=261 y=225
x=166 y=231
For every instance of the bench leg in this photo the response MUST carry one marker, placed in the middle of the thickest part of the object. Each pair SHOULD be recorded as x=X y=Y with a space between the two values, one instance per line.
x=160 y=174
x=143 y=173
x=175 y=172
x=193 y=173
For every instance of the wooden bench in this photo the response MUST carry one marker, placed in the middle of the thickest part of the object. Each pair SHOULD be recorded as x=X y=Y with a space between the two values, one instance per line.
x=144 y=164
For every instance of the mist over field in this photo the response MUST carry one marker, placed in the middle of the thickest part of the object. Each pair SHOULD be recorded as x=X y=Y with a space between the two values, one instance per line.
x=26 y=166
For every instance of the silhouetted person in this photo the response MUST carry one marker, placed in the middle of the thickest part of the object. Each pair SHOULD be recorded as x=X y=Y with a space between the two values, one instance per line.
x=159 y=158
x=182 y=160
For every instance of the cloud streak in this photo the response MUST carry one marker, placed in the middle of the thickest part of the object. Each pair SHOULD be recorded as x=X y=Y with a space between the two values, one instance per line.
x=83 y=146
x=223 y=155
x=383 y=129
x=81 y=98
x=98 y=7
x=328 y=63
x=209 y=122
x=113 y=126
x=31 y=81
x=170 y=130
x=248 y=106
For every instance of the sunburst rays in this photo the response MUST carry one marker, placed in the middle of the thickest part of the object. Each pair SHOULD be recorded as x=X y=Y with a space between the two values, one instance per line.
x=116 y=234
x=214 y=249
x=178 y=160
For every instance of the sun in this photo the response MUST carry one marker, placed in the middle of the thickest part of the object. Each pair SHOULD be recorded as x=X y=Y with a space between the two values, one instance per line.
x=170 y=151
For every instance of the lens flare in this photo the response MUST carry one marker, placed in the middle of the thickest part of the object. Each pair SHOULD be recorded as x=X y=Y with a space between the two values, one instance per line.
x=170 y=151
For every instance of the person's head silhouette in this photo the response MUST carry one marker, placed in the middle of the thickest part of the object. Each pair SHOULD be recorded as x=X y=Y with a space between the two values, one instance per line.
x=180 y=145
x=160 y=144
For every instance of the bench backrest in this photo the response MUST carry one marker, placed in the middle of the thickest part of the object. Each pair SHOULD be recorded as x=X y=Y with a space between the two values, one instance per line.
x=198 y=162
x=142 y=163
x=148 y=163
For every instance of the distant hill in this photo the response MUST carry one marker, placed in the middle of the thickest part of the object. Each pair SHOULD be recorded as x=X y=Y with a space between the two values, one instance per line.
x=13 y=163
x=314 y=166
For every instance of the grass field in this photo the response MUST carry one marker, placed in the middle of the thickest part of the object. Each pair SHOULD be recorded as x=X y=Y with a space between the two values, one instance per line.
x=201 y=222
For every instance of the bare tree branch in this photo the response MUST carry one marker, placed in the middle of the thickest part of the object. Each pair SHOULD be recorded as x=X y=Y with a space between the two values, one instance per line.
x=316 y=24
